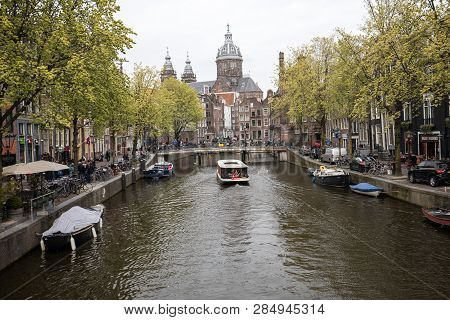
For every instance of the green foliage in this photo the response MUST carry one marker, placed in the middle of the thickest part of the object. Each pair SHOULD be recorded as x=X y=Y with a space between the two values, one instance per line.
x=182 y=104
x=14 y=203
x=427 y=128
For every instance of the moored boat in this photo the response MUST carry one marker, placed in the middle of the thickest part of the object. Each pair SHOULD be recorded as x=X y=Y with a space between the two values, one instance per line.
x=153 y=173
x=332 y=177
x=366 y=189
x=166 y=168
x=439 y=216
x=232 y=171
x=73 y=227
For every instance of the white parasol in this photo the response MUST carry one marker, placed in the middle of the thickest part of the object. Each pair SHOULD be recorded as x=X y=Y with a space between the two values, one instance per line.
x=33 y=167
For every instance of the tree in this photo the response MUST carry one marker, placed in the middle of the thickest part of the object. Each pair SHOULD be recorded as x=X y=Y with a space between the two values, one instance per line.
x=89 y=82
x=347 y=81
x=185 y=108
x=305 y=83
x=150 y=108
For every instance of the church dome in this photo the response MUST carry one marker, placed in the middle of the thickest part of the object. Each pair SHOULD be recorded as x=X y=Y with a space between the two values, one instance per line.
x=229 y=50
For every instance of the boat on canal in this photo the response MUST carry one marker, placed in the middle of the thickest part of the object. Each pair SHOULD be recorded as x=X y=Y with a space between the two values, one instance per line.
x=74 y=227
x=332 y=177
x=439 y=216
x=232 y=171
x=366 y=189
x=160 y=170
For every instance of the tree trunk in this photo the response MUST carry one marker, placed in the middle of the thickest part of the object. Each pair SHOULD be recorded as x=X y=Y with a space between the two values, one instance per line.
x=75 y=145
x=398 y=138
x=134 y=149
x=323 y=131
x=113 y=146
x=350 y=139
x=1 y=155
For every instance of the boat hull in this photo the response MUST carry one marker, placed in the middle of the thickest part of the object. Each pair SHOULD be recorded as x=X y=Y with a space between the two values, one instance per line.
x=443 y=221
x=232 y=181
x=375 y=193
x=338 y=181
x=56 y=242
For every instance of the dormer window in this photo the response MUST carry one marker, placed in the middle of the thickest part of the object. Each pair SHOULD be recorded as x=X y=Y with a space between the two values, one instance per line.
x=205 y=89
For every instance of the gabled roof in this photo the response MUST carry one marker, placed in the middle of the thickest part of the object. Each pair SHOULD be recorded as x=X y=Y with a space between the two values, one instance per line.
x=247 y=84
x=199 y=86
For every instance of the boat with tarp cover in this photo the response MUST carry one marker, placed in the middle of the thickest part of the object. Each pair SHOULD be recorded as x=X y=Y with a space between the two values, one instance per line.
x=232 y=171
x=73 y=227
x=366 y=189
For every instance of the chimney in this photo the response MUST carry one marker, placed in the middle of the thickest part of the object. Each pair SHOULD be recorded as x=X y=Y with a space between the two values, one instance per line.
x=280 y=69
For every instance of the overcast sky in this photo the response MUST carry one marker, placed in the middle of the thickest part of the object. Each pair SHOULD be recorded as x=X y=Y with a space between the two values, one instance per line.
x=260 y=28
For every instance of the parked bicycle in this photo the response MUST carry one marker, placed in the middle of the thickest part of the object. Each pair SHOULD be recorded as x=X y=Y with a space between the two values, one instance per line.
x=379 y=168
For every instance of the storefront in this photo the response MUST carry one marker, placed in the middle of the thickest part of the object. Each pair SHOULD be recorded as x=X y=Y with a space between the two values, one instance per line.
x=430 y=144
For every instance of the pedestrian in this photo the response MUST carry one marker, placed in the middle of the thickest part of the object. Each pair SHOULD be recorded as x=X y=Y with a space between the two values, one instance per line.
x=107 y=156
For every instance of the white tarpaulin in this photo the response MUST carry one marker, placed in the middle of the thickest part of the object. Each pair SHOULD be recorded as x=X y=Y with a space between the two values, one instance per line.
x=74 y=219
x=33 y=167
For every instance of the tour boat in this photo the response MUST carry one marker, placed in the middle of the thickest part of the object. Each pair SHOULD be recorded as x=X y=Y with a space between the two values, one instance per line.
x=332 y=177
x=232 y=171
x=153 y=173
x=366 y=189
x=73 y=227
x=439 y=216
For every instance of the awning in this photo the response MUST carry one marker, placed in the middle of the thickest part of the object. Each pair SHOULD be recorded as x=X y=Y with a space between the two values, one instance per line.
x=33 y=167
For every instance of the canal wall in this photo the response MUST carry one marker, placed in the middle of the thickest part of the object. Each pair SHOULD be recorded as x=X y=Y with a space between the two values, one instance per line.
x=17 y=241
x=401 y=190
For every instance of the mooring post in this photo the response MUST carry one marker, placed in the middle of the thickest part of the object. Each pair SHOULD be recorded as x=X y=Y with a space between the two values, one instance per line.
x=133 y=175
x=124 y=181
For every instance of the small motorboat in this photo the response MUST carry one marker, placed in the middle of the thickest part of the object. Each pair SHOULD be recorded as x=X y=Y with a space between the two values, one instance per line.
x=73 y=227
x=439 y=216
x=367 y=189
x=333 y=177
x=232 y=171
x=165 y=167
x=153 y=173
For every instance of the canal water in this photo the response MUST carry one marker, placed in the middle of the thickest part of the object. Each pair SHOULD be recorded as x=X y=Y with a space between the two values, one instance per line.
x=280 y=237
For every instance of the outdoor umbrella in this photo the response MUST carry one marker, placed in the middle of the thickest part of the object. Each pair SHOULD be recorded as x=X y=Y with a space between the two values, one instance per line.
x=33 y=167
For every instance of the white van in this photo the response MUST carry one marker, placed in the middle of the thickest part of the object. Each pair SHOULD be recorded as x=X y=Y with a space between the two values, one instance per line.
x=331 y=155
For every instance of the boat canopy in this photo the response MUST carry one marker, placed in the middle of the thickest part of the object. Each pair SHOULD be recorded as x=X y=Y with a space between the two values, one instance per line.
x=74 y=219
x=231 y=164
x=366 y=187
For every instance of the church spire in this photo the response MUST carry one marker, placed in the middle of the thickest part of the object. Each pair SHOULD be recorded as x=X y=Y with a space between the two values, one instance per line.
x=168 y=71
x=188 y=74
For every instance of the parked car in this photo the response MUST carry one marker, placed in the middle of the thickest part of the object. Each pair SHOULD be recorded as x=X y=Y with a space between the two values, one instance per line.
x=331 y=155
x=361 y=164
x=305 y=150
x=434 y=172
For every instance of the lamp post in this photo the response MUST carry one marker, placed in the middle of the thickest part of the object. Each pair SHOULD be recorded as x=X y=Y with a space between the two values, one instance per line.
x=8 y=140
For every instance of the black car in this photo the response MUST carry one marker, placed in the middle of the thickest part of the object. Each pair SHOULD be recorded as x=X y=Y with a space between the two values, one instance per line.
x=361 y=164
x=434 y=172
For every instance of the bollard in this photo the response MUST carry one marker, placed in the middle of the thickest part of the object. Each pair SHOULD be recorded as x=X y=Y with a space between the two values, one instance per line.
x=124 y=181
x=142 y=166
x=133 y=176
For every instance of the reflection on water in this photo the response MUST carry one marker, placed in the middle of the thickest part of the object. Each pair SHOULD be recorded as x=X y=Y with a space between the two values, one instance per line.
x=280 y=237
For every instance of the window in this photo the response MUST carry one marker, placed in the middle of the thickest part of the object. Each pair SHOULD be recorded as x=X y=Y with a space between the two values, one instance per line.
x=208 y=114
x=355 y=126
x=241 y=117
x=247 y=117
x=259 y=123
x=266 y=133
x=407 y=112
x=265 y=111
x=206 y=90
x=247 y=125
x=21 y=129
x=253 y=113
x=29 y=129
x=253 y=123
x=266 y=121
x=251 y=105
x=258 y=112
x=208 y=123
x=246 y=108
x=427 y=111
